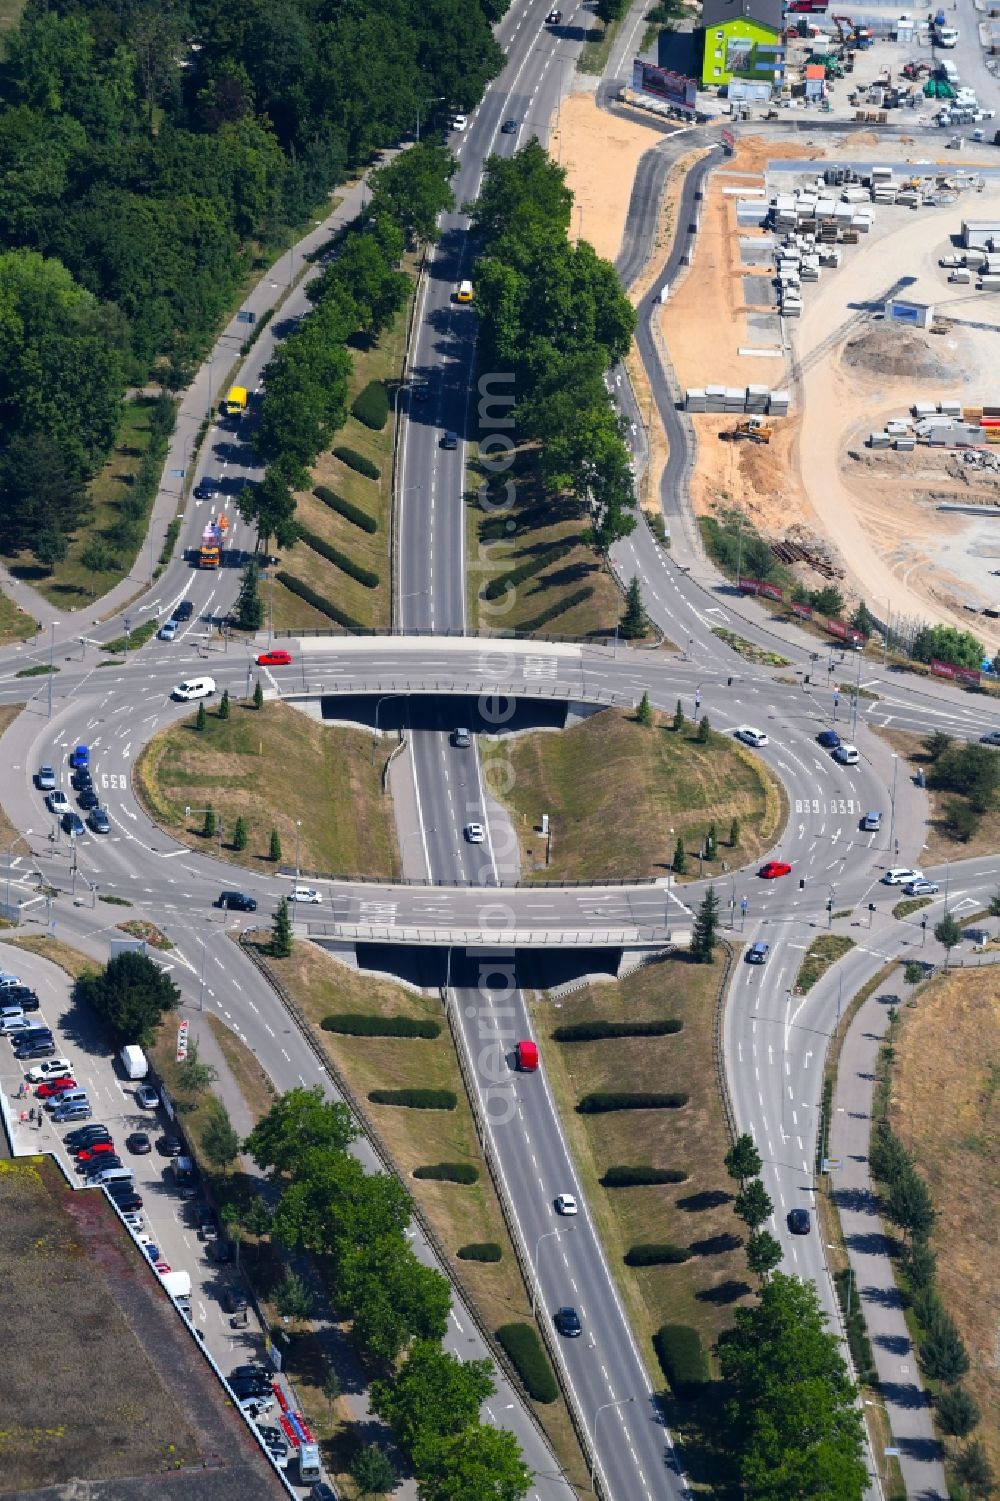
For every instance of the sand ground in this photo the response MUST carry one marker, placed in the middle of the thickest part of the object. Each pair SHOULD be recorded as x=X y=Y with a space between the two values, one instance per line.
x=600 y=153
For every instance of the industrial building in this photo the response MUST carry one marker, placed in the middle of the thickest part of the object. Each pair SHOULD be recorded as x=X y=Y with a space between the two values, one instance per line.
x=981 y=234
x=742 y=39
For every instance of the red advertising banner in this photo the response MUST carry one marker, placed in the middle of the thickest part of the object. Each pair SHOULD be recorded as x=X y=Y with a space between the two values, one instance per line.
x=748 y=586
x=837 y=628
x=804 y=610
x=771 y=590
x=960 y=674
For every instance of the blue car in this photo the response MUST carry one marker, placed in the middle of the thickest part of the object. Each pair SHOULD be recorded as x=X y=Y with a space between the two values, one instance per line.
x=80 y=756
x=828 y=739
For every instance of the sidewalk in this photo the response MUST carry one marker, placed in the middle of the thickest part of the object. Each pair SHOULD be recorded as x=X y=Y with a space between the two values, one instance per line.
x=907 y=1404
x=197 y=402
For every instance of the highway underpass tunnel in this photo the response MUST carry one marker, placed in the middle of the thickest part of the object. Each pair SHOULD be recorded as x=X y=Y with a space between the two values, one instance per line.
x=445 y=711
x=432 y=967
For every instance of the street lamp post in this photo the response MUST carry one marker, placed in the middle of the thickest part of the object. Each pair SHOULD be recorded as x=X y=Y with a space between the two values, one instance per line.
x=892 y=803
x=10 y=850
x=52 y=660
x=126 y=623
x=624 y=1402
x=413 y=834
x=378 y=704
x=538 y=1243
x=298 y=836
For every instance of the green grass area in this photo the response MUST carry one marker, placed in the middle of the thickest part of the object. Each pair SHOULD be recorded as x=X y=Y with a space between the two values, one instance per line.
x=596 y=49
x=279 y=769
x=696 y=1213
x=70 y=583
x=501 y=539
x=15 y=624
x=749 y=650
x=910 y=905
x=459 y=1213
x=370 y=607
x=821 y=953
x=10 y=14
x=618 y=795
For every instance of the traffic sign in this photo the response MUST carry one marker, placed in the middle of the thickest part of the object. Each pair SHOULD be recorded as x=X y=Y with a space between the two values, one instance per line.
x=246 y=317
x=831 y=1164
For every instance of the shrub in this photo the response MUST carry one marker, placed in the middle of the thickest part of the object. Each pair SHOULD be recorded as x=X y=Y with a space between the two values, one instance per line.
x=682 y=1360
x=558 y=608
x=651 y=1253
x=596 y=1031
x=545 y=555
x=482 y=1250
x=605 y=1100
x=346 y=509
x=170 y=541
x=371 y=406
x=357 y=462
x=355 y=1024
x=416 y=1099
x=522 y=1344
x=448 y=1172
x=318 y=601
x=641 y=1176
x=339 y=559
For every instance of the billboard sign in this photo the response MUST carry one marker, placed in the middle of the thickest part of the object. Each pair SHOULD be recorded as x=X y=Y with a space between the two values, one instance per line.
x=675 y=89
x=959 y=674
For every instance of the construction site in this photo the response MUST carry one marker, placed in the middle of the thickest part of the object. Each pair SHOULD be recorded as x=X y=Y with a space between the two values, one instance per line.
x=860 y=290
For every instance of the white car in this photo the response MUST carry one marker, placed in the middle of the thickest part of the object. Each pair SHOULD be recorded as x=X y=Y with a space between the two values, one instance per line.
x=458 y=122
x=565 y=1204
x=901 y=875
x=305 y=894
x=475 y=833
x=847 y=755
x=57 y=802
x=194 y=688
x=52 y=1068
x=750 y=736
x=11 y=1025
x=168 y=630
x=923 y=887
x=992 y=737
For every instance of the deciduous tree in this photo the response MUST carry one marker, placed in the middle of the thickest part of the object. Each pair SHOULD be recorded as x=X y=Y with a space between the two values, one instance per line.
x=131 y=995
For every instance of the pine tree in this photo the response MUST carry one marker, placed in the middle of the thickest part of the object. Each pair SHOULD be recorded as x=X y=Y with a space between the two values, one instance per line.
x=711 y=843
x=743 y=1160
x=224 y=704
x=706 y=923
x=258 y=694
x=680 y=858
x=249 y=605
x=734 y=833
x=201 y=718
x=633 y=621
x=274 y=852
x=644 y=713
x=208 y=827
x=240 y=833
x=281 y=931
x=957 y=1413
x=679 y=716
x=704 y=730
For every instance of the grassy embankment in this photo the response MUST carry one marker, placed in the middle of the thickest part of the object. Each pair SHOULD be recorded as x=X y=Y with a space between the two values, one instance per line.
x=939 y=844
x=69 y=583
x=695 y=1214
x=574 y=591
x=619 y=794
x=251 y=766
x=369 y=606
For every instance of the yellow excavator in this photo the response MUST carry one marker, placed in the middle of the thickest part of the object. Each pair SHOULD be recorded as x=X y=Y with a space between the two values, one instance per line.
x=754 y=428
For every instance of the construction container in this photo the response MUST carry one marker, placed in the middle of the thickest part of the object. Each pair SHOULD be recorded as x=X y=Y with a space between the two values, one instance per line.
x=881 y=174
x=923 y=409
x=905 y=444
x=735 y=399
x=715 y=398
x=950 y=408
x=990 y=410
x=849 y=236
x=878 y=440
x=988 y=284
x=694 y=400
x=975 y=414
x=861 y=222
x=963 y=278
x=756 y=398
x=777 y=406
x=896 y=427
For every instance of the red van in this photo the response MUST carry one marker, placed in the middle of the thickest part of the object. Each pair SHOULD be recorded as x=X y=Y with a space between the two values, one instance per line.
x=527 y=1057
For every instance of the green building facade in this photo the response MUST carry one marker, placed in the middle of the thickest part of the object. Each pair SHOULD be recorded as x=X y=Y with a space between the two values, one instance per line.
x=742 y=40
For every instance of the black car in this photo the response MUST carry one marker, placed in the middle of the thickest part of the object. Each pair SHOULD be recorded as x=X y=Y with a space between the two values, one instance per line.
x=184 y=610
x=99 y=1163
x=88 y=799
x=251 y=1386
x=99 y=821
x=236 y=901
x=567 y=1321
x=84 y=1135
x=221 y=1251
x=251 y=1369
x=798 y=1221
x=139 y=1143
x=72 y=823
x=322 y=1492
x=508 y=128
x=36 y=1050
x=82 y=778
x=205 y=489
x=124 y=1196
x=274 y=1441
x=170 y=1146
x=20 y=995
x=450 y=440
x=234 y=1301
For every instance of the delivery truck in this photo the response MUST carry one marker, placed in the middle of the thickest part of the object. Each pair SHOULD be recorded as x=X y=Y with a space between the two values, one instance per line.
x=210 y=551
x=133 y=1061
x=178 y=1285
x=235 y=403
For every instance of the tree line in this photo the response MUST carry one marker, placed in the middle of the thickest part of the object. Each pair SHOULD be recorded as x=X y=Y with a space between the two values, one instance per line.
x=553 y=314
x=151 y=155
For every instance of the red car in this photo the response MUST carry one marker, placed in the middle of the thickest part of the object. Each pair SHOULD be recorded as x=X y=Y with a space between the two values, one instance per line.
x=53 y=1087
x=279 y=658
x=774 y=868
x=96 y=1149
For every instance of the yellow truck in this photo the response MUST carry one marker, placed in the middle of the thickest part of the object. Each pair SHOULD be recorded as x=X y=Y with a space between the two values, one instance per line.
x=235 y=403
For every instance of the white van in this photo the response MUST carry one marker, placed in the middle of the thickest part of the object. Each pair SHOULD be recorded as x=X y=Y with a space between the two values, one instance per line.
x=949 y=72
x=110 y=1175
x=194 y=688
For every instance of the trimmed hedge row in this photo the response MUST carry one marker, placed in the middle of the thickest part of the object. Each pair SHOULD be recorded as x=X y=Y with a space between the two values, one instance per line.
x=608 y=1099
x=346 y=509
x=416 y=1099
x=597 y=1031
x=371 y=406
x=550 y=554
x=522 y=1344
x=357 y=461
x=651 y=1253
x=339 y=559
x=355 y=1025
x=479 y=1250
x=682 y=1359
x=318 y=601
x=448 y=1172
x=559 y=608
x=641 y=1176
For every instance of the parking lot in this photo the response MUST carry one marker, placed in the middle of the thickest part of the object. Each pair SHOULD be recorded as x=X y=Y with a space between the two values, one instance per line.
x=174 y=1226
